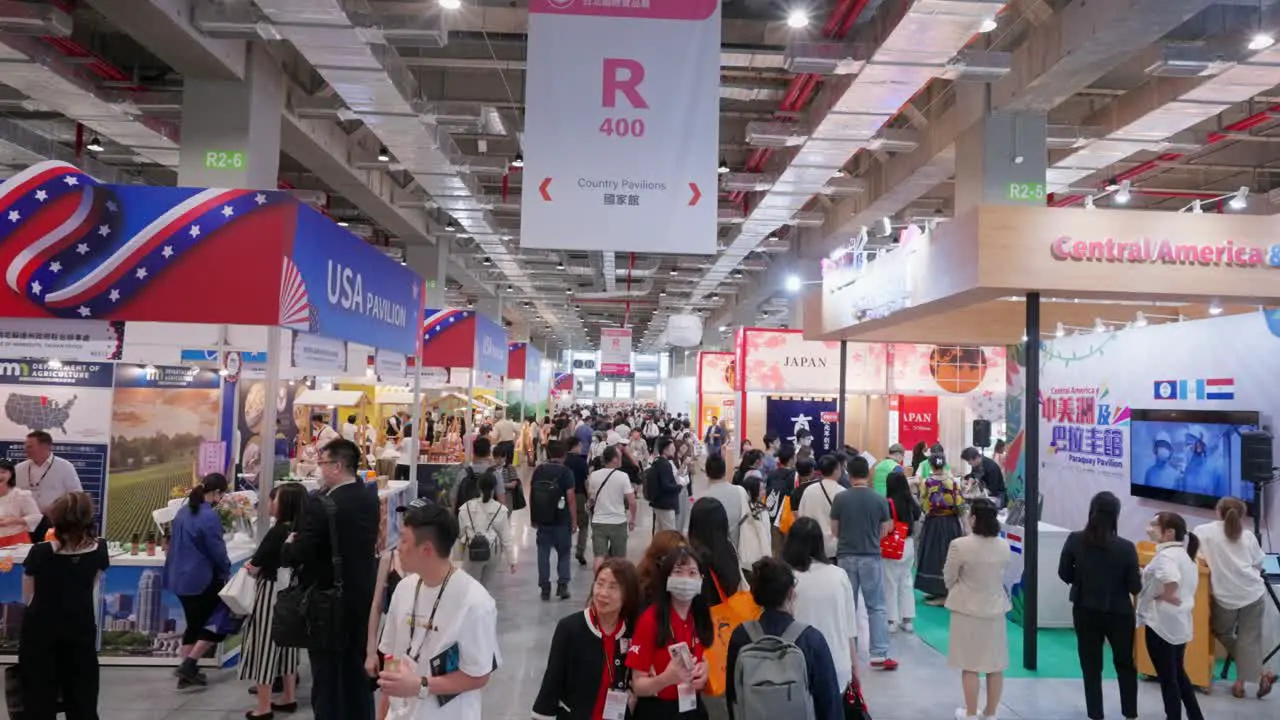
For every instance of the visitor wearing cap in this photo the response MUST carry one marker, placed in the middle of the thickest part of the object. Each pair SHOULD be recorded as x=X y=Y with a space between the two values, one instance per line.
x=437 y=611
x=341 y=688
x=46 y=476
x=881 y=470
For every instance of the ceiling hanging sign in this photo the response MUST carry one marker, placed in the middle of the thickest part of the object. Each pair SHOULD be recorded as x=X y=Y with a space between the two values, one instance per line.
x=623 y=125
x=388 y=364
x=615 y=351
x=85 y=340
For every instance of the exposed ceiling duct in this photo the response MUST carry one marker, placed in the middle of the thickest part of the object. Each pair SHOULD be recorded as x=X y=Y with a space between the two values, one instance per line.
x=637 y=290
x=923 y=38
x=53 y=83
x=380 y=91
x=1140 y=128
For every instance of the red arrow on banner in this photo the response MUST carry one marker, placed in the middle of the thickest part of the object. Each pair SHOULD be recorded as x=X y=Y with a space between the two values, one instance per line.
x=546 y=183
x=697 y=194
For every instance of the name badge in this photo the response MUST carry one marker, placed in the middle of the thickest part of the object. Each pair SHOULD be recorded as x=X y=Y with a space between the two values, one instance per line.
x=688 y=697
x=615 y=705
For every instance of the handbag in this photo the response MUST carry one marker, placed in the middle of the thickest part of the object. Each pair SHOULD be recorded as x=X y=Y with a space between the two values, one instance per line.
x=238 y=594
x=855 y=706
x=310 y=617
x=732 y=611
x=893 y=545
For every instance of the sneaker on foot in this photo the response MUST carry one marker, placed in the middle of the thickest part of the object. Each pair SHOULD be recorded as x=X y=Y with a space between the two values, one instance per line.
x=546 y=594
x=893 y=626
x=563 y=592
x=884 y=663
x=962 y=715
x=908 y=627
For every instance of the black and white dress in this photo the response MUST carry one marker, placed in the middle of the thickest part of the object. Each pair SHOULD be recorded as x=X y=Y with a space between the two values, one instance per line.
x=260 y=659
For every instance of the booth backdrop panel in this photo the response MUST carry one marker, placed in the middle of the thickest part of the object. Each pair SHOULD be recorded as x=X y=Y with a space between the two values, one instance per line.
x=785 y=416
x=1091 y=383
x=517 y=354
x=716 y=373
x=866 y=421
x=159 y=418
x=72 y=403
x=252 y=404
x=783 y=361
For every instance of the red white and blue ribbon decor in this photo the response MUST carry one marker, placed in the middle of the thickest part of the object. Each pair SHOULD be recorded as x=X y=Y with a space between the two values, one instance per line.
x=443 y=320
x=83 y=265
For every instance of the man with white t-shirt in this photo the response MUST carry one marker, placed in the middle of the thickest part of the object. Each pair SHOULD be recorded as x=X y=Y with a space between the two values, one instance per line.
x=732 y=497
x=440 y=640
x=613 y=502
x=816 y=502
x=47 y=476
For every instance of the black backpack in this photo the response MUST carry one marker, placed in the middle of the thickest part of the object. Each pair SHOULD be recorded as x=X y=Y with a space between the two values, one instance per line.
x=479 y=549
x=652 y=482
x=546 y=498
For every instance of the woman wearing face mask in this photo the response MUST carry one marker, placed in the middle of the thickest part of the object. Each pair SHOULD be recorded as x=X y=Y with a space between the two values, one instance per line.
x=941 y=502
x=1168 y=597
x=678 y=624
x=593 y=644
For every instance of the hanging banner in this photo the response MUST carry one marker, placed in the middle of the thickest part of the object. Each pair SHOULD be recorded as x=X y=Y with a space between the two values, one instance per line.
x=622 y=126
x=615 y=351
x=917 y=419
x=313 y=352
x=491 y=349
x=388 y=364
x=84 y=340
x=785 y=416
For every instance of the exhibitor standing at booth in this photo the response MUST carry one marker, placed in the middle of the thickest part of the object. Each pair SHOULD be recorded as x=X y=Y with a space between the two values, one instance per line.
x=47 y=476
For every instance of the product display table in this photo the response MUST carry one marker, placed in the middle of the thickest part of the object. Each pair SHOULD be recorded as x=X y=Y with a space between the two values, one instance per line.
x=1054 y=597
x=140 y=623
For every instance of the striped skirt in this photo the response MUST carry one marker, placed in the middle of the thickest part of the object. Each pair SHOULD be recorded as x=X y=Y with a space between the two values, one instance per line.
x=260 y=659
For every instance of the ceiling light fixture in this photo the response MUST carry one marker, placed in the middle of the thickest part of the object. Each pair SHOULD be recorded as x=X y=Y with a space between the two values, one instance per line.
x=1122 y=193
x=384 y=155
x=517 y=161
x=1196 y=209
x=95 y=145
x=988 y=25
x=450 y=4
x=1088 y=202
x=1099 y=326
x=487 y=260
x=1140 y=320
x=560 y=266
x=724 y=166
x=1261 y=41
x=1240 y=200
x=793 y=283
x=1060 y=331
x=797 y=19
x=511 y=288
x=839 y=173
x=736 y=274
x=673 y=272
x=1112 y=185
x=343 y=223
x=451 y=226
x=1215 y=308
x=568 y=291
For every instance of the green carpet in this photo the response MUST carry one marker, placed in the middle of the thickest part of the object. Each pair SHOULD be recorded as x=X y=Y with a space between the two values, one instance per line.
x=1057 y=648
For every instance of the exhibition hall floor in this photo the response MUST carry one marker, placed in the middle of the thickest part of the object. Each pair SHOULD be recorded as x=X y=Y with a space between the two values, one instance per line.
x=923 y=688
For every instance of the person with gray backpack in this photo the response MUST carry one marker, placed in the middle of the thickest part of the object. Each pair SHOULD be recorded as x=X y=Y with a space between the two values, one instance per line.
x=780 y=668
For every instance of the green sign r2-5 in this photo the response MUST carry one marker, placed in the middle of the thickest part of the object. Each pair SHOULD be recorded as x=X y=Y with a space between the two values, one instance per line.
x=224 y=160
x=1030 y=191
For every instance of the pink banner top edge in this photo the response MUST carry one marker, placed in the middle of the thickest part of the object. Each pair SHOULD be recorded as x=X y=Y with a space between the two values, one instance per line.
x=696 y=10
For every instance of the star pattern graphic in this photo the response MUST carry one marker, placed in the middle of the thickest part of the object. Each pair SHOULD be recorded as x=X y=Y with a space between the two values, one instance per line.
x=114 y=295
x=104 y=230
x=167 y=252
x=260 y=199
x=227 y=211
x=142 y=273
x=41 y=195
x=82 y=248
x=194 y=231
x=14 y=216
x=84 y=311
x=55 y=267
x=36 y=288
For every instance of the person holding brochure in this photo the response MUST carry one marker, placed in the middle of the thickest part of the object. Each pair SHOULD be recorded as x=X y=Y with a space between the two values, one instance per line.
x=440 y=641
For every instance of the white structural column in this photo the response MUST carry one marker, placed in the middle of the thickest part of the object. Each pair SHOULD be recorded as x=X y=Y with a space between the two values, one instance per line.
x=1001 y=159
x=430 y=262
x=231 y=128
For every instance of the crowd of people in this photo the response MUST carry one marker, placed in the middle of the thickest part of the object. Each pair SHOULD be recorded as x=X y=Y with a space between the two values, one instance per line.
x=744 y=604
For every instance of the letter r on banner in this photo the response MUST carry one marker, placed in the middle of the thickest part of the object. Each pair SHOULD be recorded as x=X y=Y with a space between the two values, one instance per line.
x=615 y=83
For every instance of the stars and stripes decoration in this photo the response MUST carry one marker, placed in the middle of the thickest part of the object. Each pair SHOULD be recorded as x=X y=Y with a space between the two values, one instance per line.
x=296 y=310
x=441 y=321
x=83 y=265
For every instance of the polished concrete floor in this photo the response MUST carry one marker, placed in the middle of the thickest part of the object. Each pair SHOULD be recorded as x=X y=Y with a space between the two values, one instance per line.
x=923 y=688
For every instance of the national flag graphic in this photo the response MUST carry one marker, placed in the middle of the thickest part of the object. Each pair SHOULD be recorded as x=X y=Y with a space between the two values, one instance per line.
x=1198 y=389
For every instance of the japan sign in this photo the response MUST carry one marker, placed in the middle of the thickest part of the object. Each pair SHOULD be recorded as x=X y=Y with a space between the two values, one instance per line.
x=622 y=130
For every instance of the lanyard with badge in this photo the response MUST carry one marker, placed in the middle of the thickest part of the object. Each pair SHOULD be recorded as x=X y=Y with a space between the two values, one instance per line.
x=33 y=484
x=399 y=708
x=615 y=699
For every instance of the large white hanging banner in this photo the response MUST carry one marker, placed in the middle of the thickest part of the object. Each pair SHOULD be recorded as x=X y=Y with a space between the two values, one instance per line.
x=615 y=351
x=623 y=125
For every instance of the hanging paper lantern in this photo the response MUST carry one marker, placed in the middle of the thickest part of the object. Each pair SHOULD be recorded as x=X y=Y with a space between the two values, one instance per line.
x=684 y=330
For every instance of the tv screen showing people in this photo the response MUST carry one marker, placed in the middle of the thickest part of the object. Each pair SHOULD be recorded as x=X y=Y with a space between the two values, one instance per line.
x=1189 y=457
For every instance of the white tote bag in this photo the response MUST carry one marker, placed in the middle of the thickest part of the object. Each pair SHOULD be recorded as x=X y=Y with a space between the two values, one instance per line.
x=239 y=592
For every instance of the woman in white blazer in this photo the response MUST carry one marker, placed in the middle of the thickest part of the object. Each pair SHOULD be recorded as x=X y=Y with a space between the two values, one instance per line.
x=979 y=642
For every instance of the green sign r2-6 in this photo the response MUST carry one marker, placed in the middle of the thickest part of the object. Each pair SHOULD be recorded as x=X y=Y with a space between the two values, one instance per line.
x=1026 y=191
x=224 y=160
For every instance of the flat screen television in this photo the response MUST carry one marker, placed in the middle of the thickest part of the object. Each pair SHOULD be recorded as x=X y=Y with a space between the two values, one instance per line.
x=1189 y=457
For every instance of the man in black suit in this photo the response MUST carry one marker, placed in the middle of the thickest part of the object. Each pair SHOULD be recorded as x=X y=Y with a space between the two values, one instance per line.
x=341 y=688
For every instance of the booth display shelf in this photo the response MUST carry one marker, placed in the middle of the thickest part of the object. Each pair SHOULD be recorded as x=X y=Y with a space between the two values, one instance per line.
x=1054 y=596
x=140 y=623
